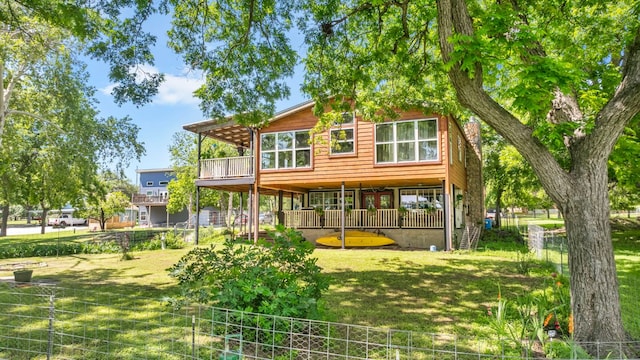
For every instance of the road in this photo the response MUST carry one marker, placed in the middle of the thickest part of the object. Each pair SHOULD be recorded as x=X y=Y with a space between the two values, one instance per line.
x=35 y=229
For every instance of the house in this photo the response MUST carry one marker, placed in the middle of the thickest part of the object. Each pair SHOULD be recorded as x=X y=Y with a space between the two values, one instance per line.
x=153 y=197
x=417 y=179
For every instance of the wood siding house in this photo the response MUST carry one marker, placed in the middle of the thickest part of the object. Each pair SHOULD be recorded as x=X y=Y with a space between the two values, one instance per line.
x=407 y=178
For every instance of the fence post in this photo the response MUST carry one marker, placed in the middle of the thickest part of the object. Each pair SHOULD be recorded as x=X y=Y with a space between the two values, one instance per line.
x=193 y=336
x=50 y=335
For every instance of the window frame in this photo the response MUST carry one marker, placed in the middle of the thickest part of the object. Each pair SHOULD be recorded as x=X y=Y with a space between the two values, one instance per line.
x=328 y=196
x=415 y=142
x=349 y=123
x=149 y=183
x=436 y=197
x=163 y=183
x=293 y=151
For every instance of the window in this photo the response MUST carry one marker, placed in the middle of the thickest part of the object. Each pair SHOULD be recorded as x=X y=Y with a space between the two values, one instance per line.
x=163 y=183
x=149 y=193
x=407 y=141
x=459 y=148
x=330 y=200
x=149 y=183
x=428 y=198
x=342 y=135
x=285 y=150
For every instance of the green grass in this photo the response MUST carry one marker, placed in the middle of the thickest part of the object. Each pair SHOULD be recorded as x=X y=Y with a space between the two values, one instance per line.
x=439 y=292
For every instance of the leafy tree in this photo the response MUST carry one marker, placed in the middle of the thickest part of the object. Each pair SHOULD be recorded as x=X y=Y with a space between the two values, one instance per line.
x=114 y=203
x=109 y=31
x=53 y=139
x=279 y=278
x=184 y=158
x=558 y=80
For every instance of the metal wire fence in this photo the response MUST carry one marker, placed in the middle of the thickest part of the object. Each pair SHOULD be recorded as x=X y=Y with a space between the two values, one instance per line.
x=549 y=245
x=38 y=322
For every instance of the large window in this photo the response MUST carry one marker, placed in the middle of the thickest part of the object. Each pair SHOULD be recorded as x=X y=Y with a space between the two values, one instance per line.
x=285 y=150
x=428 y=199
x=407 y=141
x=330 y=200
x=342 y=135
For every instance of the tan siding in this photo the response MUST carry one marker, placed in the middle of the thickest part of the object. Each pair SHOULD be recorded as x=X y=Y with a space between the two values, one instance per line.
x=353 y=169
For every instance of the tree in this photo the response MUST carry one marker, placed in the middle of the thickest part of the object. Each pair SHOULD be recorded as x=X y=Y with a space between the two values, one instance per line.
x=558 y=80
x=114 y=203
x=109 y=31
x=184 y=158
x=53 y=139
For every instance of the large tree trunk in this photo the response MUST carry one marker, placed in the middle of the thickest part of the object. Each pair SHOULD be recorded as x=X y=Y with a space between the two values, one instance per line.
x=580 y=192
x=5 y=219
x=595 y=299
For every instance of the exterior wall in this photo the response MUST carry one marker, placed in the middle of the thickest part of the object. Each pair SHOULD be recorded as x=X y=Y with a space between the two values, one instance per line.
x=475 y=188
x=405 y=238
x=154 y=178
x=354 y=169
x=157 y=216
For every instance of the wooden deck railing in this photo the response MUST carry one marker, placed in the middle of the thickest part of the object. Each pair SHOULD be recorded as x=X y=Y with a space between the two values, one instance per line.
x=225 y=168
x=365 y=219
x=150 y=199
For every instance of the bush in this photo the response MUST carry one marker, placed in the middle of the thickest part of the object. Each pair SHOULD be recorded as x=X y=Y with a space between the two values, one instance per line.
x=171 y=241
x=278 y=278
x=499 y=239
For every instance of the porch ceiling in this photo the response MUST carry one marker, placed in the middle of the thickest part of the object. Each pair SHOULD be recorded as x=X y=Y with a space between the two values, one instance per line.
x=226 y=130
x=364 y=184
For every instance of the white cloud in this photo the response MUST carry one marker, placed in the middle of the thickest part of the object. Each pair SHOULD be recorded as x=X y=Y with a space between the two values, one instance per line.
x=176 y=89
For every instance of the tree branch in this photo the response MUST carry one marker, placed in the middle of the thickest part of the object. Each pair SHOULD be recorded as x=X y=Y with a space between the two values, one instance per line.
x=453 y=18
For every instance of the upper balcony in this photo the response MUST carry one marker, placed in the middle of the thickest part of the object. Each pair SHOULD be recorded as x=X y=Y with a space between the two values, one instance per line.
x=226 y=173
x=227 y=168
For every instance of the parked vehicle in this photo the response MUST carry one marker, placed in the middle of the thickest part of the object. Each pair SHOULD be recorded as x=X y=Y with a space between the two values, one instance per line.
x=66 y=220
x=265 y=218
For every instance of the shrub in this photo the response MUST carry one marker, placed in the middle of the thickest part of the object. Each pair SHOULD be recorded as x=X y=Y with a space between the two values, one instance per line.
x=278 y=278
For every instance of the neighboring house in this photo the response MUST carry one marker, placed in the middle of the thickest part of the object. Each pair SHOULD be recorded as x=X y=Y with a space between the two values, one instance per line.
x=416 y=179
x=153 y=197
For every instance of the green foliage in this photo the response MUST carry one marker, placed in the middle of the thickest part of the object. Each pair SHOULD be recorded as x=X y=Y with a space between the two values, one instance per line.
x=278 y=278
x=531 y=316
x=502 y=239
x=171 y=241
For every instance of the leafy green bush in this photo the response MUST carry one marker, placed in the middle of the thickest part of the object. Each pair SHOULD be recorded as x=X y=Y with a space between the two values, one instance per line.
x=502 y=239
x=278 y=278
x=60 y=249
x=171 y=241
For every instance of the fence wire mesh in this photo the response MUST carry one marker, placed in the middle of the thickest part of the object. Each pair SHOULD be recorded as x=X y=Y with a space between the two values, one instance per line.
x=38 y=322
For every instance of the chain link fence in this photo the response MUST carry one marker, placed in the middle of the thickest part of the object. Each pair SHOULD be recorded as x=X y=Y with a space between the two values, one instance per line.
x=38 y=322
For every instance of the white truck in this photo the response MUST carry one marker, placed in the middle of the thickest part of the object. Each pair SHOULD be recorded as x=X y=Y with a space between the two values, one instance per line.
x=66 y=220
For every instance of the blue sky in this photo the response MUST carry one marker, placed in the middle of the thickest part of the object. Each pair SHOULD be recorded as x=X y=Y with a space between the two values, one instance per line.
x=173 y=107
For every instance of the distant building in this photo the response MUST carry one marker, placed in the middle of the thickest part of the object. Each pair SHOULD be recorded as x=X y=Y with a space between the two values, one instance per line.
x=153 y=197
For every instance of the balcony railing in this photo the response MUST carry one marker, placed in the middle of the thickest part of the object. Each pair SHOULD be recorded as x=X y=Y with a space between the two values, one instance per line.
x=226 y=168
x=365 y=219
x=150 y=199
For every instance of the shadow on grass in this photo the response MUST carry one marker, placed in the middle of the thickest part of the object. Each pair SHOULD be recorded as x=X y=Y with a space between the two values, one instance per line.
x=450 y=298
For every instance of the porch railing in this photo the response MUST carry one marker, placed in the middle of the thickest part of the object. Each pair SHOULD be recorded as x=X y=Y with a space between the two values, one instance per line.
x=225 y=168
x=366 y=219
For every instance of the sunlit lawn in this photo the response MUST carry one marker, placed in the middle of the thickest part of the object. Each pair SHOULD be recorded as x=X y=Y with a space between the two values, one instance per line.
x=439 y=292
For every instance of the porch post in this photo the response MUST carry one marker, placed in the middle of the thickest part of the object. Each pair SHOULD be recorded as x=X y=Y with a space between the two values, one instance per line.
x=197 y=225
x=342 y=216
x=447 y=221
x=251 y=202
x=280 y=205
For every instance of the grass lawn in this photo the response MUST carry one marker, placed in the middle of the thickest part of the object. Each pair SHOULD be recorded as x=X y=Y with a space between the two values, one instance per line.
x=439 y=292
